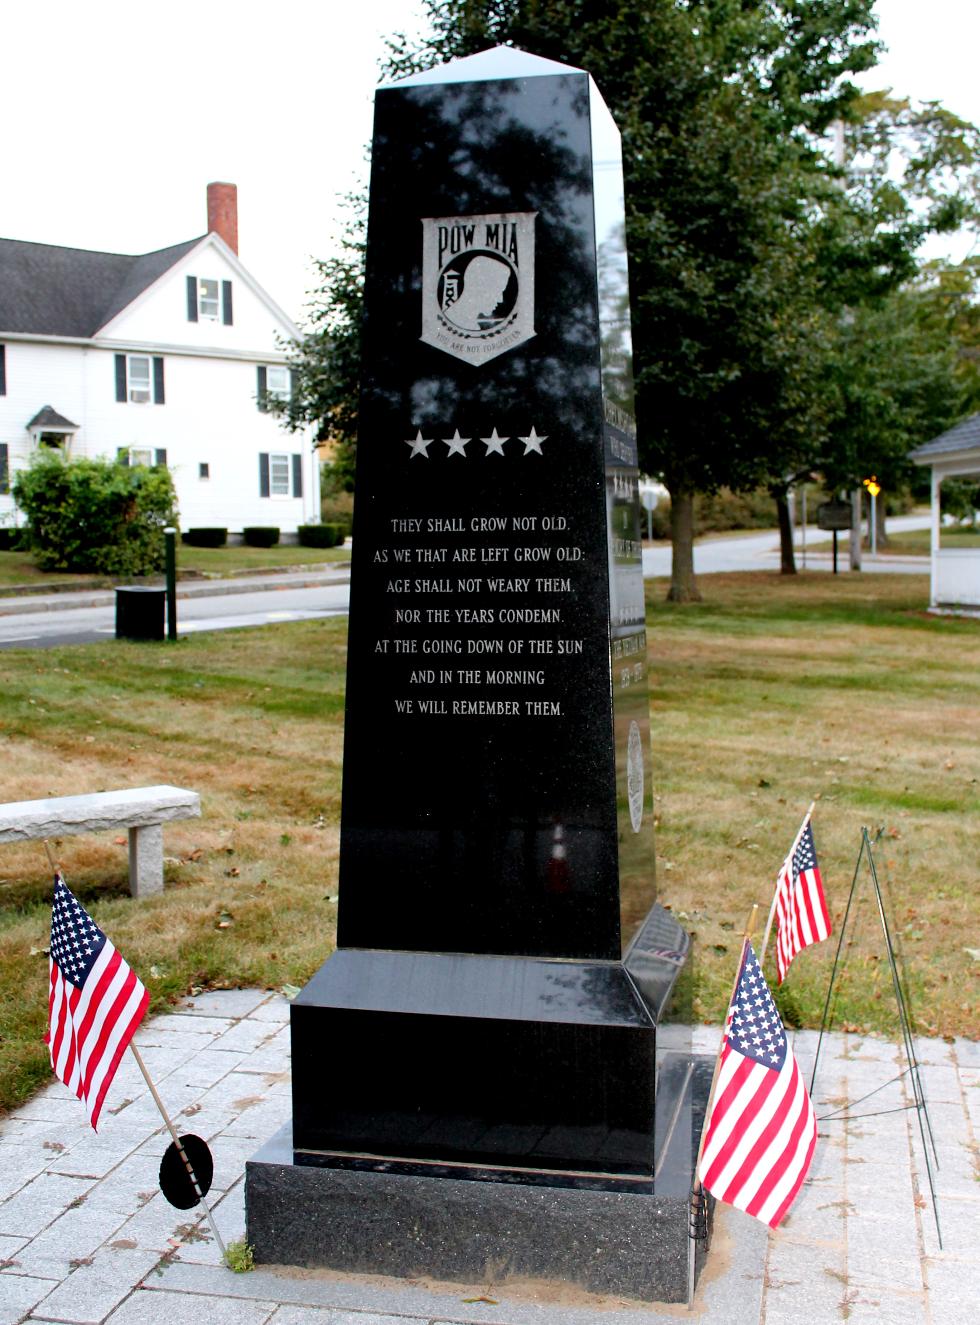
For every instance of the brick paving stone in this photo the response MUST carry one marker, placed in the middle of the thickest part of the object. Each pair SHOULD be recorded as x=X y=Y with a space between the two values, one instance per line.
x=39 y=1202
x=91 y=1291
x=153 y=1306
x=207 y=1068
x=18 y=1294
x=244 y=1036
x=203 y=1026
x=275 y=1008
x=883 y=1307
x=325 y=1316
x=226 y=1003
x=74 y=1236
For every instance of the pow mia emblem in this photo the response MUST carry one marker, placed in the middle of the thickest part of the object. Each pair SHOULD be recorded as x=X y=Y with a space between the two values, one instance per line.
x=478 y=283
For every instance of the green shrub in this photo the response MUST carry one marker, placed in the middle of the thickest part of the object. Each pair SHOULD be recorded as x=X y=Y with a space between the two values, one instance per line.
x=338 y=508
x=205 y=536
x=319 y=535
x=260 y=535
x=96 y=515
x=14 y=540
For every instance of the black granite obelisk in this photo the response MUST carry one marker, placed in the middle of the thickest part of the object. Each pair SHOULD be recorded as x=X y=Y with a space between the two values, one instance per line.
x=490 y=1016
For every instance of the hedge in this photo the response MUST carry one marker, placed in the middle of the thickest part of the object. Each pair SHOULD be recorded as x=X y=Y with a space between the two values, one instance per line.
x=320 y=535
x=260 y=535
x=205 y=536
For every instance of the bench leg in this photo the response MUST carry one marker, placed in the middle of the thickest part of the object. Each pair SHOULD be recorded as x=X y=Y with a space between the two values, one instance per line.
x=146 y=860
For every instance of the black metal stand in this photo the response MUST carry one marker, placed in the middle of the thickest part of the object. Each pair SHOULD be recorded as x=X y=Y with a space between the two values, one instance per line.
x=843 y=1114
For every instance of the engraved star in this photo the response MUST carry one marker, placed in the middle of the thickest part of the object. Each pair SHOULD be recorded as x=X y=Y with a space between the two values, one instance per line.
x=494 y=444
x=456 y=444
x=533 y=442
x=418 y=446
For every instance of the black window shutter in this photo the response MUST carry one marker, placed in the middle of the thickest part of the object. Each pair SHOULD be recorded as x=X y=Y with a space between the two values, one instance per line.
x=160 y=455
x=120 y=377
x=292 y=385
x=226 y=303
x=158 y=393
x=260 y=394
x=3 y=370
x=297 y=475
x=265 y=489
x=4 y=467
x=192 y=299
x=122 y=455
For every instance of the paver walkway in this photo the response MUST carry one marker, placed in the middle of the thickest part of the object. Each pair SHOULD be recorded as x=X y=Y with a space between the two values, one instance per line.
x=86 y=1236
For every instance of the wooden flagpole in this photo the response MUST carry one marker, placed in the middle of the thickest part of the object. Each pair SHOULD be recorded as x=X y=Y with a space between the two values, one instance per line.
x=166 y=1117
x=696 y=1186
x=775 y=892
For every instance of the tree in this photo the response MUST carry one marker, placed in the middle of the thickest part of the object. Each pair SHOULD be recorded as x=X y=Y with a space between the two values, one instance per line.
x=96 y=515
x=748 y=247
x=719 y=103
x=326 y=362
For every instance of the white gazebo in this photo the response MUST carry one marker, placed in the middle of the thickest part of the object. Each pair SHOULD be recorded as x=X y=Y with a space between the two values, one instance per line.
x=955 y=572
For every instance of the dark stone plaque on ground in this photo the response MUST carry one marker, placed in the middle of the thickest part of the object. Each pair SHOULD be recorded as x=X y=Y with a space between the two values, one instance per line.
x=491 y=1014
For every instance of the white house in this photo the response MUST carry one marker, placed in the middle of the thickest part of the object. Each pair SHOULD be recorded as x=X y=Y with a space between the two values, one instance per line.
x=159 y=358
x=955 y=578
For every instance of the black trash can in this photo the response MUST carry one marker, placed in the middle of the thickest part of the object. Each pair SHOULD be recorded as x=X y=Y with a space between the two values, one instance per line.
x=140 y=612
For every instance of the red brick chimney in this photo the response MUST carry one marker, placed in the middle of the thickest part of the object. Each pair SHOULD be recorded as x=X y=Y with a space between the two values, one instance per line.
x=223 y=213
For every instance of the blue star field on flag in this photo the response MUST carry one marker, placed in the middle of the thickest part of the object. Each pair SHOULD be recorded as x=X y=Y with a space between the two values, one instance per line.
x=76 y=939
x=756 y=1029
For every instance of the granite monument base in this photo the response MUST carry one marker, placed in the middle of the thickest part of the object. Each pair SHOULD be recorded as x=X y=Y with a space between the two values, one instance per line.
x=375 y=1216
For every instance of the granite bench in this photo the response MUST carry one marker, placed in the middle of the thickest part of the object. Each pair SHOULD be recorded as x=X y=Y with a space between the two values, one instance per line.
x=141 y=810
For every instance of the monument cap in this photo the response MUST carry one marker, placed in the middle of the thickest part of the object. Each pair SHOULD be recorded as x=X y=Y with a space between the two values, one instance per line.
x=486 y=66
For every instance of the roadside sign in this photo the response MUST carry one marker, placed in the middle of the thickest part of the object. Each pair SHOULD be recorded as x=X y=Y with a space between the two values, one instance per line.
x=834 y=515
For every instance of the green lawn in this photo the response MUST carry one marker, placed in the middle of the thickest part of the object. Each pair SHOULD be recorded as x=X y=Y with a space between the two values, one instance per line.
x=773 y=692
x=18 y=568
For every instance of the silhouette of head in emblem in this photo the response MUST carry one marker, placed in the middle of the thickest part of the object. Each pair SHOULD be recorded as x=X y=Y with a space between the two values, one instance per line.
x=484 y=282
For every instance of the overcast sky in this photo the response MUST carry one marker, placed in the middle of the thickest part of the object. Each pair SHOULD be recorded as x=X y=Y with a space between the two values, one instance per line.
x=118 y=115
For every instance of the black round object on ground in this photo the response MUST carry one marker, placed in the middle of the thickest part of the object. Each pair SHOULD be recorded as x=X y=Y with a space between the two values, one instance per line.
x=175 y=1181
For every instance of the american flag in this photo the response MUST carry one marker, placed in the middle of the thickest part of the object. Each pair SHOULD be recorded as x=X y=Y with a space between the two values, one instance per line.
x=801 y=908
x=94 y=1005
x=760 y=1131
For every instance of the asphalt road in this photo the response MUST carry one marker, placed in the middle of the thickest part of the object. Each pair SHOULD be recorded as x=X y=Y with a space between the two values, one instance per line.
x=67 y=622
x=77 y=618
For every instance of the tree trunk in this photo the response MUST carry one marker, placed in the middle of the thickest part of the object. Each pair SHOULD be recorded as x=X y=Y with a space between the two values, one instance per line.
x=881 y=537
x=787 y=556
x=855 y=542
x=683 y=585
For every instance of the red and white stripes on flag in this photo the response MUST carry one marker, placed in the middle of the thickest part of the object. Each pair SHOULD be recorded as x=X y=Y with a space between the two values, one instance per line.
x=801 y=908
x=760 y=1131
x=95 y=1002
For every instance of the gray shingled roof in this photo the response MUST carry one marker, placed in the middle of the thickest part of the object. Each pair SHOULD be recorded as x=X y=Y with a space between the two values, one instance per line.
x=46 y=417
x=53 y=291
x=964 y=436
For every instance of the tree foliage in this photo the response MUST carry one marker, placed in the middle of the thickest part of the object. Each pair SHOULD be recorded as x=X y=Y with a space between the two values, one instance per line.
x=757 y=259
x=96 y=515
x=326 y=362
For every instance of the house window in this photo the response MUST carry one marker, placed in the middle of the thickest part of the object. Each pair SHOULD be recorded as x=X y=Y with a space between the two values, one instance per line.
x=273 y=382
x=207 y=299
x=138 y=377
x=278 y=474
x=277 y=382
x=141 y=455
x=204 y=470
